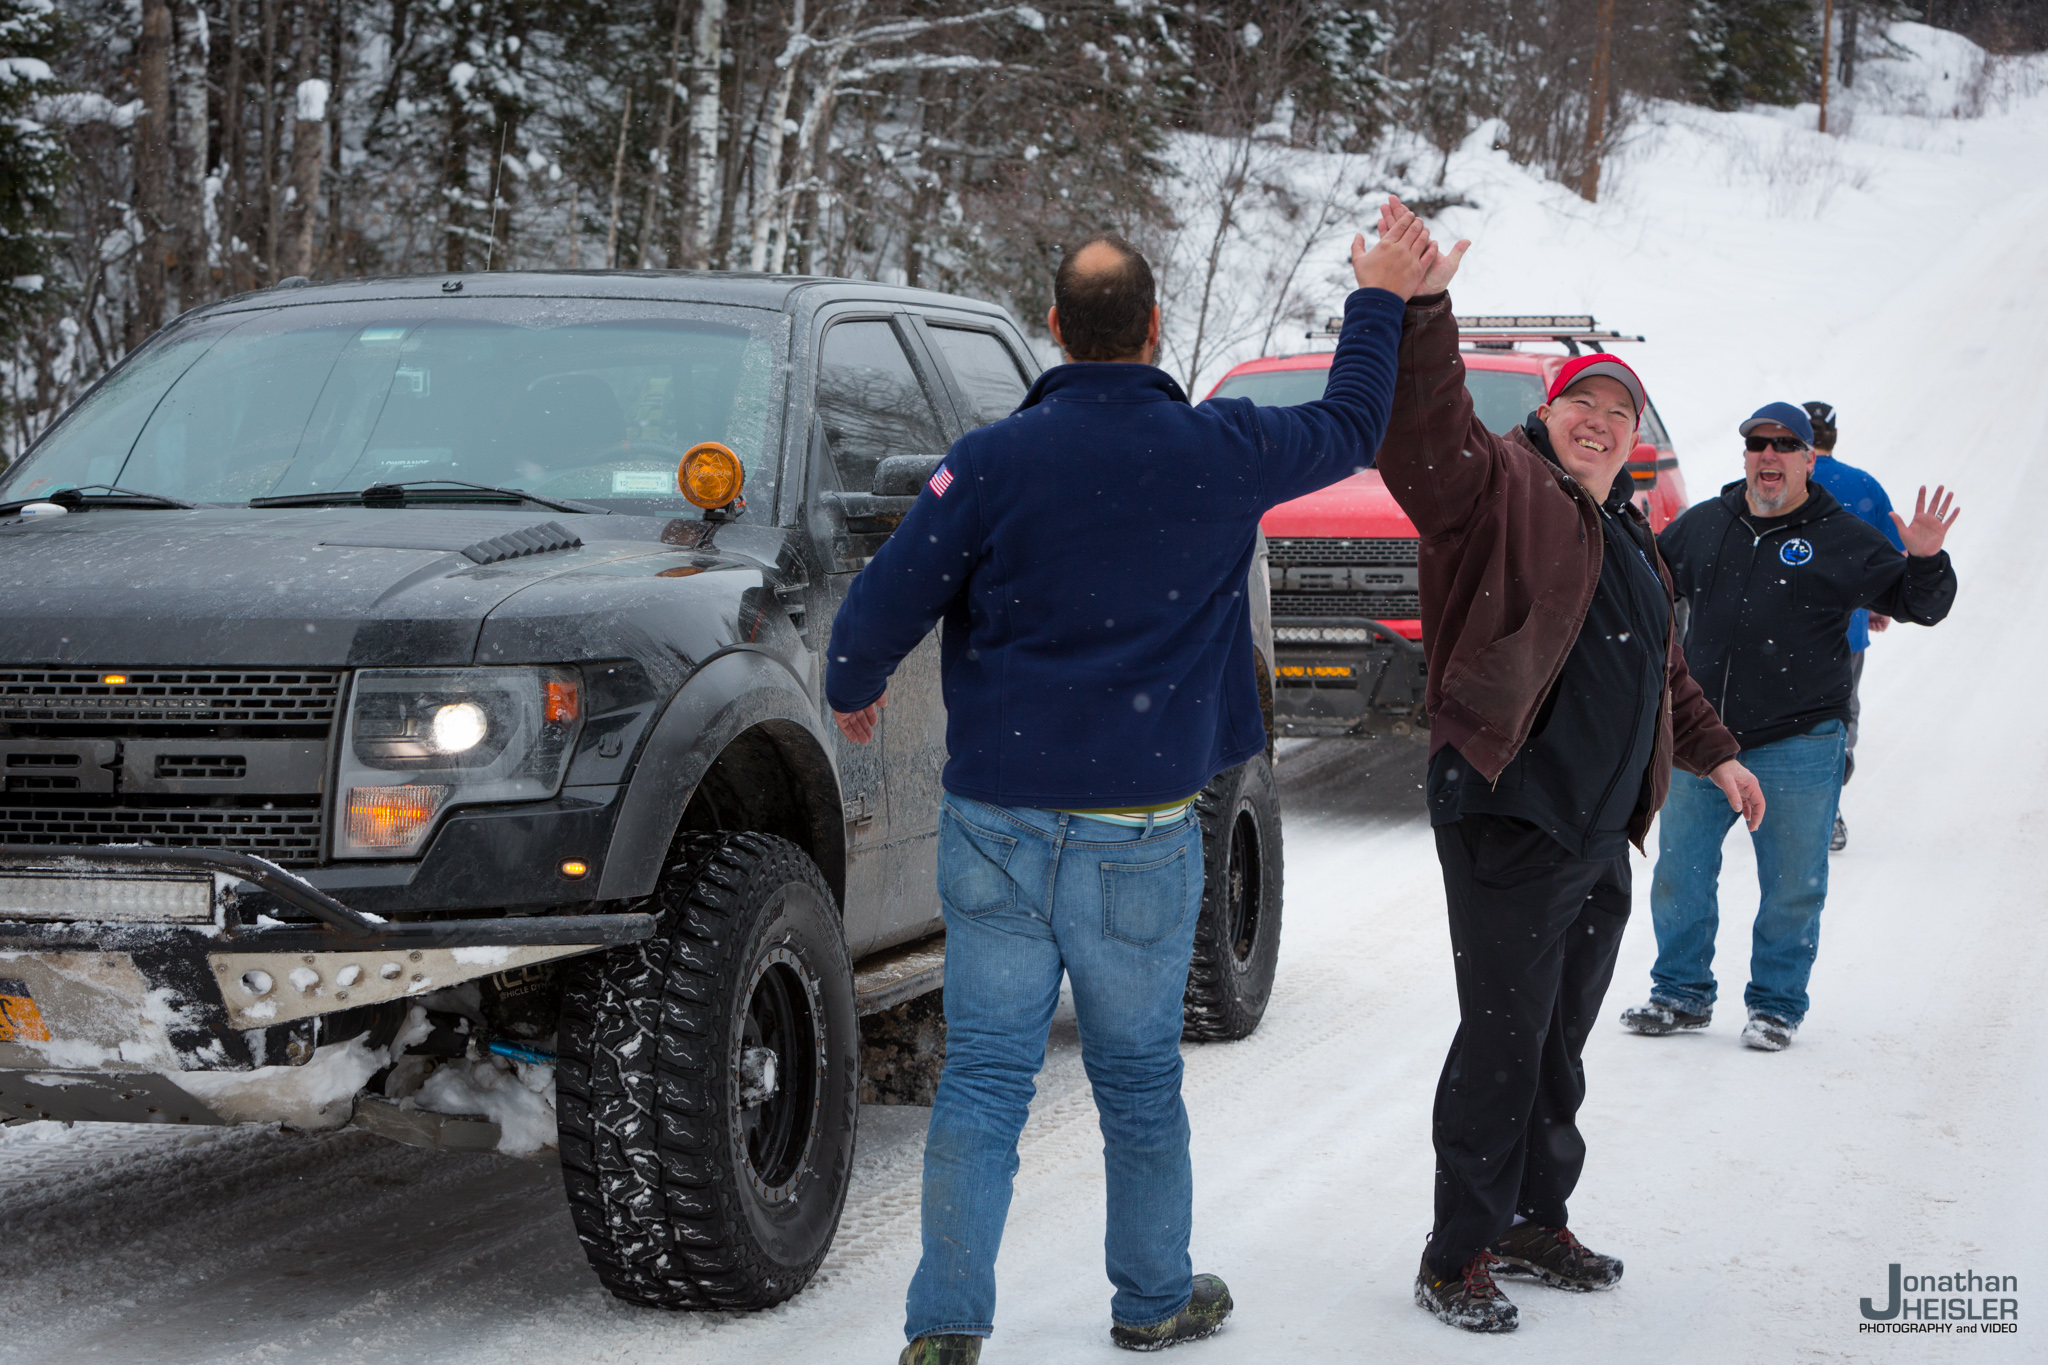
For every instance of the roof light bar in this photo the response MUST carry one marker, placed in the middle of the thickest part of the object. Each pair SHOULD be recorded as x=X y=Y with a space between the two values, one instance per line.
x=1528 y=323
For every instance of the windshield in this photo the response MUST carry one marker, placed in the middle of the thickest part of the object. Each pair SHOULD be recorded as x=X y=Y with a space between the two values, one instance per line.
x=1503 y=399
x=565 y=398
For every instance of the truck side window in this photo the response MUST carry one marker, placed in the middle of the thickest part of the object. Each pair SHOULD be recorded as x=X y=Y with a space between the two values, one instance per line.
x=871 y=403
x=1653 y=430
x=991 y=385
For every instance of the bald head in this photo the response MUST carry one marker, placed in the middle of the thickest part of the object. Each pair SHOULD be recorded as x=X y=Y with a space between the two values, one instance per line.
x=1105 y=306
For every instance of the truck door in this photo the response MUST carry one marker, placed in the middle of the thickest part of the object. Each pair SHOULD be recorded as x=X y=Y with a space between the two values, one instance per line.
x=981 y=380
x=872 y=401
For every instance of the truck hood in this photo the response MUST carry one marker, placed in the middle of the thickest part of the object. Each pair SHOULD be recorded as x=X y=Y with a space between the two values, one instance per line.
x=1359 y=506
x=302 y=587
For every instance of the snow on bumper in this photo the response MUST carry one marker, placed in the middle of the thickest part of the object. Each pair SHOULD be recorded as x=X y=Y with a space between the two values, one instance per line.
x=120 y=966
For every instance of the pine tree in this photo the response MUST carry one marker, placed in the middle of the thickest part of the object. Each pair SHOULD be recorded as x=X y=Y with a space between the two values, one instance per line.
x=32 y=164
x=1751 y=52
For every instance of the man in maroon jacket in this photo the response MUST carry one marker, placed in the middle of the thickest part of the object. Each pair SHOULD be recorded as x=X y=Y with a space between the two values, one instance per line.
x=1558 y=701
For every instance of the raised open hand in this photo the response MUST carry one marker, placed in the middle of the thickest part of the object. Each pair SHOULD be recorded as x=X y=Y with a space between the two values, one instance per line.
x=1395 y=218
x=1398 y=262
x=1924 y=534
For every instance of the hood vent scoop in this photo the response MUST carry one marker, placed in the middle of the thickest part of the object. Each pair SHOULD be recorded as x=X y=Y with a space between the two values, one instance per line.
x=459 y=535
x=534 y=540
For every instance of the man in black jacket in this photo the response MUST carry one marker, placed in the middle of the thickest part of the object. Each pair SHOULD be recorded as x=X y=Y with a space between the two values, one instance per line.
x=1771 y=571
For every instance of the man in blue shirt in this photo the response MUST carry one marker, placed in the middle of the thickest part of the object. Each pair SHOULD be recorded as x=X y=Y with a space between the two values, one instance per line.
x=1089 y=556
x=1862 y=496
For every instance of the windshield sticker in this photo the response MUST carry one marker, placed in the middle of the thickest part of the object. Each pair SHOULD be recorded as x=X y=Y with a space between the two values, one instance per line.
x=642 y=481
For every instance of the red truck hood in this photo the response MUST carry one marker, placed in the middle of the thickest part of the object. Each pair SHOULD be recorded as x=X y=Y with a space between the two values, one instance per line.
x=1359 y=506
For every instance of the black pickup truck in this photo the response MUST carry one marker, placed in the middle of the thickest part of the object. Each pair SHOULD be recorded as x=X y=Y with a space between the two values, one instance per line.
x=421 y=677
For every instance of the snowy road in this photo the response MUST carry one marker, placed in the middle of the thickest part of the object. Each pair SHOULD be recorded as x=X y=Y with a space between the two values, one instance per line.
x=1755 y=1197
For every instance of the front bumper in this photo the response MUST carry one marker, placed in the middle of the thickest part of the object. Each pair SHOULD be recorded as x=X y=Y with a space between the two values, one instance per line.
x=133 y=961
x=1346 y=676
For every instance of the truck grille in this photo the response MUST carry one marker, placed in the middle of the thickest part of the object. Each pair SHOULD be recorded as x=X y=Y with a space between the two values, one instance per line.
x=93 y=756
x=1300 y=560
x=43 y=697
x=287 y=833
x=1289 y=551
x=1379 y=606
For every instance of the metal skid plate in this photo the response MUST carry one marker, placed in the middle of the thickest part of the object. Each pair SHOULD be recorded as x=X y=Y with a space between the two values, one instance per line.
x=424 y=1128
x=262 y=989
x=98 y=1097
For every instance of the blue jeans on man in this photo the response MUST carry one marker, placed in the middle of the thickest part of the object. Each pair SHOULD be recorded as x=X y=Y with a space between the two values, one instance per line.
x=1802 y=782
x=1030 y=895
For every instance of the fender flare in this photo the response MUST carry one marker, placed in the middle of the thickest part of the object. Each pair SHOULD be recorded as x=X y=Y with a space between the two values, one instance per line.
x=728 y=696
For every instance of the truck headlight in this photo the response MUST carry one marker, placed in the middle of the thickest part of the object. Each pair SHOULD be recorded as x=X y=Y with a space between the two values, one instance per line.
x=419 y=741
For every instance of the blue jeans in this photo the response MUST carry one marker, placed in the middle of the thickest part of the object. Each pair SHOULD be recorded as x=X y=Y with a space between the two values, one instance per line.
x=1027 y=895
x=1802 y=782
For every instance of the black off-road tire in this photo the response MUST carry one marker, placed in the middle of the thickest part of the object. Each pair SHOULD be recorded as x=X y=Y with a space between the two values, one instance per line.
x=1237 y=941
x=683 y=1193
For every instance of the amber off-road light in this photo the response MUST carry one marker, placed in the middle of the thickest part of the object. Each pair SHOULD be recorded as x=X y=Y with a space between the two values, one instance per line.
x=575 y=869
x=710 y=475
x=114 y=680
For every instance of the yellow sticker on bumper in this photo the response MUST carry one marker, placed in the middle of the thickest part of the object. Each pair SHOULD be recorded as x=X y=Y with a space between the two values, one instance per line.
x=20 y=1020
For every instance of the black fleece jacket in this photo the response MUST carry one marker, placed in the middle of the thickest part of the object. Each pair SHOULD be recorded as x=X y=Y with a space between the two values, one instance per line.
x=1579 y=778
x=1770 y=599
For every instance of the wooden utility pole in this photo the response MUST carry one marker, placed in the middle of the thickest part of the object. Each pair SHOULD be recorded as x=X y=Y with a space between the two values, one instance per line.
x=1596 y=103
x=1827 y=32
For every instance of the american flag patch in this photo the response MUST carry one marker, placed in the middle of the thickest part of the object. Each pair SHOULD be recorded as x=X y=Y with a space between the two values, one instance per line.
x=941 y=481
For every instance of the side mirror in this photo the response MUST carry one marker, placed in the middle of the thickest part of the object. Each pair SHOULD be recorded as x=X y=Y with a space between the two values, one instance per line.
x=901 y=476
x=858 y=523
x=1642 y=466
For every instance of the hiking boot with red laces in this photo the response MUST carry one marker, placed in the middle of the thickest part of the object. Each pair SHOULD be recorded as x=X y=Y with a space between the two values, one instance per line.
x=1555 y=1257
x=1469 y=1299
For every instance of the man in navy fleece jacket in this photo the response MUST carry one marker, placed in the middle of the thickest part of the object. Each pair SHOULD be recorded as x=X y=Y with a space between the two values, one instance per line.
x=1089 y=557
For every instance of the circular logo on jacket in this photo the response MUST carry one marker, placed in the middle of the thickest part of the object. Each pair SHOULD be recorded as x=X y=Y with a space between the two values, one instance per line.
x=1795 y=551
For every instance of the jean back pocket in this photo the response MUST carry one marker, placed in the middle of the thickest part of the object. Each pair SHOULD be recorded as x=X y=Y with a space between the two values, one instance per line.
x=974 y=867
x=1143 y=903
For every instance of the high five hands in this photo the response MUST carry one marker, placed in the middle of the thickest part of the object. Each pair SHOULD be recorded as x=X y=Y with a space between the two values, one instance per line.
x=1404 y=262
x=1924 y=534
x=1395 y=221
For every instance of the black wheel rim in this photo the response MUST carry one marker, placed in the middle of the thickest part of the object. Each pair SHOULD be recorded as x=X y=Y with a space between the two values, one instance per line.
x=776 y=1111
x=1242 y=886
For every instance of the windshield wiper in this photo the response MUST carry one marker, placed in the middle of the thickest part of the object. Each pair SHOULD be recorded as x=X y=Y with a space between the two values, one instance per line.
x=73 y=499
x=397 y=493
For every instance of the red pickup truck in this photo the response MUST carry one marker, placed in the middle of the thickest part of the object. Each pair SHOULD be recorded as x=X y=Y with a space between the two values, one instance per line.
x=1342 y=561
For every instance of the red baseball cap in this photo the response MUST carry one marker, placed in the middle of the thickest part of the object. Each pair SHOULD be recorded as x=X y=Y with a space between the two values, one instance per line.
x=1588 y=366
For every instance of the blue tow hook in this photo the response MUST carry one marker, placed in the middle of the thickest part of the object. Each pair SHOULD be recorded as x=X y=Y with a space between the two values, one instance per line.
x=534 y=1055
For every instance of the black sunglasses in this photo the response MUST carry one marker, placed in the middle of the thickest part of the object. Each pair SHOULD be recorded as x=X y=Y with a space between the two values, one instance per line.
x=1784 y=445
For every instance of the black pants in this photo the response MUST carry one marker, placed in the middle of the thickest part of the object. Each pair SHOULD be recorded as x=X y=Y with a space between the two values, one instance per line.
x=1534 y=933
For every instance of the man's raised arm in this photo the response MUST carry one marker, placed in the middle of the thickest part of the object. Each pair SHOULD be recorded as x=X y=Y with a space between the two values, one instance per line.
x=1438 y=458
x=1308 y=446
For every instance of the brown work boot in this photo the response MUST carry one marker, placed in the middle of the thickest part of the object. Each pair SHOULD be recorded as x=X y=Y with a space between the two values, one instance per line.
x=1206 y=1309
x=1555 y=1257
x=1469 y=1299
